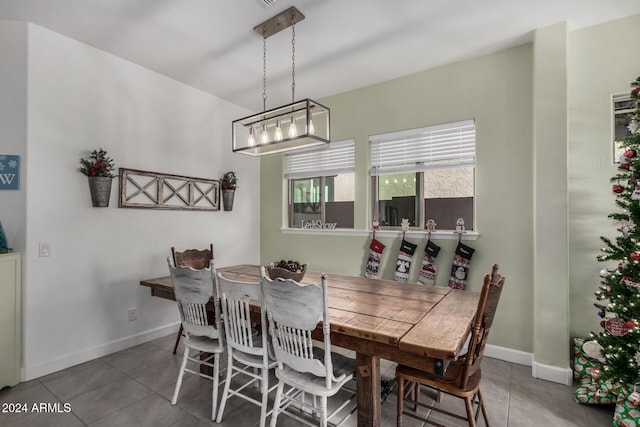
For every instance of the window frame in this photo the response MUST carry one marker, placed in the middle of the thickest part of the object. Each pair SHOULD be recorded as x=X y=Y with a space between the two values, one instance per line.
x=345 y=164
x=419 y=169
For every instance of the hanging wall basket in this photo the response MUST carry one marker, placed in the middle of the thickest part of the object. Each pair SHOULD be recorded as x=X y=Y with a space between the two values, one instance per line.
x=100 y=188
x=227 y=199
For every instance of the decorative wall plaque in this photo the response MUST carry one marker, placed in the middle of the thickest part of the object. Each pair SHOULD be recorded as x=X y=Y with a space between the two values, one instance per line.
x=9 y=172
x=152 y=190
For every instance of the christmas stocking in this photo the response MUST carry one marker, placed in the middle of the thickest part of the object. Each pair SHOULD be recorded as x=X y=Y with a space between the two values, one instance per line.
x=460 y=267
x=373 y=262
x=427 y=274
x=403 y=264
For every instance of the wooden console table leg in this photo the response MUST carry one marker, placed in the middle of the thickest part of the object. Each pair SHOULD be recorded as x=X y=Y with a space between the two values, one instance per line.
x=368 y=389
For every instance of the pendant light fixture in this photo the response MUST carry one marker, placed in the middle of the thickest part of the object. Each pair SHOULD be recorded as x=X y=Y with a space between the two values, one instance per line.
x=291 y=127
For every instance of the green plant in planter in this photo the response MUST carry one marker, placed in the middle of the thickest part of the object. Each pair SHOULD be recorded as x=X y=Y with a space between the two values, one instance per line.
x=98 y=164
x=99 y=169
x=228 y=184
x=229 y=181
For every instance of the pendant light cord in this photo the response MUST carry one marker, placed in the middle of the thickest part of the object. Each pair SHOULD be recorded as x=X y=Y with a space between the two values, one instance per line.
x=293 y=57
x=264 y=74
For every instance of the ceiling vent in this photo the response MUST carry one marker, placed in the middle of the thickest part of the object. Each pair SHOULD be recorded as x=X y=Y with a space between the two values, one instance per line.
x=266 y=3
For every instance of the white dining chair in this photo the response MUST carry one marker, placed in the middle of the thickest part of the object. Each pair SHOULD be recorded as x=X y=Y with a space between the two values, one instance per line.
x=248 y=356
x=294 y=311
x=193 y=289
x=190 y=258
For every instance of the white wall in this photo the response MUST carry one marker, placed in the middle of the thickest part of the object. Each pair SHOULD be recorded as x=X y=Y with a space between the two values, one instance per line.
x=80 y=99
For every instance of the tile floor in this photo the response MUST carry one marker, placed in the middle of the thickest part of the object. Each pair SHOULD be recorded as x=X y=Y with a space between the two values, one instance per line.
x=133 y=388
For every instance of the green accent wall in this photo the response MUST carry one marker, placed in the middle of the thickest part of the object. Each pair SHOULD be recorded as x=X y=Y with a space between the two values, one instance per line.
x=494 y=89
x=603 y=60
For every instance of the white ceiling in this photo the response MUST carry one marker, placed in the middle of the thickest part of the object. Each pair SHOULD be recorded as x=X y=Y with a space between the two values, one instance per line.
x=341 y=45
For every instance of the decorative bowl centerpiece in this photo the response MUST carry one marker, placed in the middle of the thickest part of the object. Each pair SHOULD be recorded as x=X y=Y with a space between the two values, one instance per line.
x=286 y=270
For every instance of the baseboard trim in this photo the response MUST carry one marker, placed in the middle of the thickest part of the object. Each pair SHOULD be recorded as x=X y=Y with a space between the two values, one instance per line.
x=538 y=370
x=552 y=373
x=509 y=355
x=72 y=359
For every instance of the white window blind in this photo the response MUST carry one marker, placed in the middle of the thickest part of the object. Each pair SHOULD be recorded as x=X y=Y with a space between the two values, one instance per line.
x=448 y=145
x=337 y=158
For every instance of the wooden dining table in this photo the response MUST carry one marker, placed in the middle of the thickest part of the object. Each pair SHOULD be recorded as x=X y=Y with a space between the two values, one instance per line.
x=416 y=325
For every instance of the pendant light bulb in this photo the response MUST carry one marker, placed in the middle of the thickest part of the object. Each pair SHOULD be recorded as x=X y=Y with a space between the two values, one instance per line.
x=264 y=138
x=252 y=139
x=278 y=134
x=311 y=128
x=293 y=130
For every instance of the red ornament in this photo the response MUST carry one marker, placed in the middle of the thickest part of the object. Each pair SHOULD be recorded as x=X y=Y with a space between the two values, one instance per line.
x=624 y=166
x=630 y=153
x=635 y=256
x=631 y=324
x=618 y=188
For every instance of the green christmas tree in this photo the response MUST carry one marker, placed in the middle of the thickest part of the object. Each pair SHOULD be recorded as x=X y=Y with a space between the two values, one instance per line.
x=619 y=293
x=4 y=246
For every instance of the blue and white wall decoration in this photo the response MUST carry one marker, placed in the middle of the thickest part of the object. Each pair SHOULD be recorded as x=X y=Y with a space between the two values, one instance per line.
x=9 y=172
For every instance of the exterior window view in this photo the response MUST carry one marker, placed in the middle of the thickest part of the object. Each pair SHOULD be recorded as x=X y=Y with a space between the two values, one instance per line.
x=447 y=195
x=328 y=199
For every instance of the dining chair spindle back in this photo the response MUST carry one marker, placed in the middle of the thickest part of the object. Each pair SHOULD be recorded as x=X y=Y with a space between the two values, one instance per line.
x=248 y=354
x=193 y=289
x=294 y=311
x=193 y=258
x=462 y=377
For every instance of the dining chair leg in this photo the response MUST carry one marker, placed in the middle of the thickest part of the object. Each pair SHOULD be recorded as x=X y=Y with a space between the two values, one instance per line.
x=174 y=400
x=416 y=395
x=216 y=382
x=264 y=389
x=400 y=401
x=276 y=404
x=470 y=415
x=175 y=347
x=225 y=391
x=323 y=411
x=483 y=408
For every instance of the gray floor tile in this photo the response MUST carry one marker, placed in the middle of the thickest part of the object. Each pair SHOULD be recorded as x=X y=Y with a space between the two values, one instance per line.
x=134 y=387
x=157 y=376
x=81 y=379
x=152 y=411
x=539 y=402
x=138 y=357
x=22 y=399
x=168 y=342
x=45 y=419
x=108 y=399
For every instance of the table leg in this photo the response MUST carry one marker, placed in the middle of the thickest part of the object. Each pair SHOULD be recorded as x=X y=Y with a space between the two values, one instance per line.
x=368 y=389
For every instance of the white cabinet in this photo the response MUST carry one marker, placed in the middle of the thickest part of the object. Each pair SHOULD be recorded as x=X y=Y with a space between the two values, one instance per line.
x=10 y=316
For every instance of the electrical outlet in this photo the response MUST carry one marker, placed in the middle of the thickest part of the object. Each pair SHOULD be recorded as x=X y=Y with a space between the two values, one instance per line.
x=44 y=249
x=133 y=314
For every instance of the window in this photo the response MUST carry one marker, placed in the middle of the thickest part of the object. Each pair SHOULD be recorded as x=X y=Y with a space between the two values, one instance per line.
x=322 y=186
x=426 y=173
x=623 y=106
